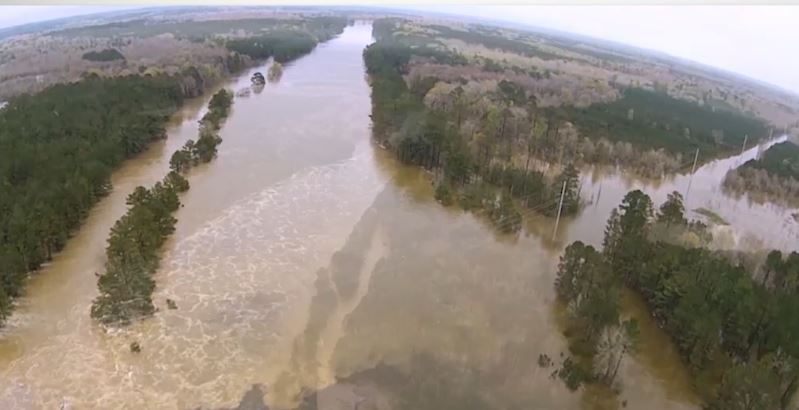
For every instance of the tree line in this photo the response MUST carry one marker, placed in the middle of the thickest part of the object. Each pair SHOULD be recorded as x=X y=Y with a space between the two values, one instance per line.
x=473 y=170
x=652 y=119
x=204 y=150
x=136 y=238
x=58 y=148
x=735 y=329
x=108 y=54
x=282 y=45
x=286 y=44
x=57 y=151
x=650 y=132
x=780 y=159
x=772 y=177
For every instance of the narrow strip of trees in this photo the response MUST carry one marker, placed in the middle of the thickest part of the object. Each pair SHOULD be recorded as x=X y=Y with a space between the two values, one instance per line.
x=134 y=245
x=204 y=149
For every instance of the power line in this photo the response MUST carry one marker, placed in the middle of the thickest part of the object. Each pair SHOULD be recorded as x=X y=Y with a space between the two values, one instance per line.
x=560 y=208
x=528 y=212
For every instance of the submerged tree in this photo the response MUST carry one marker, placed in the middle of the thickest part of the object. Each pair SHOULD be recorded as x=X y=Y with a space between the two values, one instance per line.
x=275 y=72
x=570 y=178
x=627 y=235
x=506 y=215
x=672 y=212
x=589 y=289
x=747 y=386
x=616 y=342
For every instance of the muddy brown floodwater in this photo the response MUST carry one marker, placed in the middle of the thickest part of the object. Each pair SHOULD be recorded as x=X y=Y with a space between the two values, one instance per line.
x=308 y=264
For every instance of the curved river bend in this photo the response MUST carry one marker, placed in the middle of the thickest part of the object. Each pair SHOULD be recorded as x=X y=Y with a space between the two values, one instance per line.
x=307 y=260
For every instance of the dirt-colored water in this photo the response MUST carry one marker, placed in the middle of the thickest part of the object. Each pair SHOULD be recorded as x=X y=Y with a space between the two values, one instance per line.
x=307 y=260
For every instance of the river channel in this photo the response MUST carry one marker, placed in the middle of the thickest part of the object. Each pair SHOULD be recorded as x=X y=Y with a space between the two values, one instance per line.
x=308 y=263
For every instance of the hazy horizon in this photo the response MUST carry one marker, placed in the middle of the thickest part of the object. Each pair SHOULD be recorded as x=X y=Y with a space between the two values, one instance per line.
x=746 y=40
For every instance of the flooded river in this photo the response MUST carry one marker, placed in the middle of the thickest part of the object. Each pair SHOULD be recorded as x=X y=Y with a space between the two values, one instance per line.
x=308 y=264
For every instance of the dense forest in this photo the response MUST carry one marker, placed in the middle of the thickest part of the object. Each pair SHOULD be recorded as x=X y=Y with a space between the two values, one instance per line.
x=134 y=245
x=495 y=41
x=282 y=45
x=322 y=28
x=57 y=151
x=780 y=159
x=653 y=119
x=744 y=346
x=287 y=44
x=474 y=171
x=772 y=177
x=109 y=54
x=524 y=114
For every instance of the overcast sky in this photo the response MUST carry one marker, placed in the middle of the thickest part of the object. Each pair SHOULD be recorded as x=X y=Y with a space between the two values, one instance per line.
x=758 y=41
x=17 y=15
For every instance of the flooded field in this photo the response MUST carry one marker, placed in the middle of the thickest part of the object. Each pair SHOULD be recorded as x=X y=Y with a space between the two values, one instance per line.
x=311 y=269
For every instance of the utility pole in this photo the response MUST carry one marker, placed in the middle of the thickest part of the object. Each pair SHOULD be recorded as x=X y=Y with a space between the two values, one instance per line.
x=691 y=178
x=743 y=148
x=599 y=194
x=560 y=208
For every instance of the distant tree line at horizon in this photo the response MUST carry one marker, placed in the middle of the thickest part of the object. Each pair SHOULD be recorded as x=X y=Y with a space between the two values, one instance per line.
x=284 y=44
x=322 y=28
x=108 y=54
x=653 y=119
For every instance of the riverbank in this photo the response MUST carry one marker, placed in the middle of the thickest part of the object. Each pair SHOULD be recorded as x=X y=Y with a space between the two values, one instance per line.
x=272 y=160
x=60 y=211
x=305 y=258
x=62 y=146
